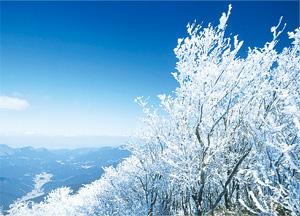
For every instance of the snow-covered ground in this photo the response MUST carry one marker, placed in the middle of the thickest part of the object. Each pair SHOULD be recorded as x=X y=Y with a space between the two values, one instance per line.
x=39 y=181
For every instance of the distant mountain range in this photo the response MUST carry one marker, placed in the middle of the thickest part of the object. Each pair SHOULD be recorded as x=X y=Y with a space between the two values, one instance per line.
x=20 y=168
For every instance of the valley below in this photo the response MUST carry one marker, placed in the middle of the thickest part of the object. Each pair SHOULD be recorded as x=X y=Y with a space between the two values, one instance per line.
x=31 y=173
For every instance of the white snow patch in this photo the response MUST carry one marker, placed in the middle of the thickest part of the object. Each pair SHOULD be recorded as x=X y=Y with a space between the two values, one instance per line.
x=40 y=180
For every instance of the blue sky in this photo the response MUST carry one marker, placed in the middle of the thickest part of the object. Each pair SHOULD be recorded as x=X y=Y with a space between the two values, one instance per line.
x=74 y=68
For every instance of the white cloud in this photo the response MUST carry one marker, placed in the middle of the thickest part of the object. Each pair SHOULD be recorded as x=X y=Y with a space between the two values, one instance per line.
x=13 y=103
x=30 y=133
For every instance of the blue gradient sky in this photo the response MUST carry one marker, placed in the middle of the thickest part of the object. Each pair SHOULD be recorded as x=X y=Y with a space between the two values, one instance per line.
x=80 y=65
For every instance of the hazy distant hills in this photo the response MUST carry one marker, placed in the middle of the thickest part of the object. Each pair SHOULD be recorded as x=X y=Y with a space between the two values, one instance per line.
x=73 y=168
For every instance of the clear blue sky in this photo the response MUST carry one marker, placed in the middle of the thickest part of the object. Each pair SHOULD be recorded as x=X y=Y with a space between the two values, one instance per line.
x=79 y=66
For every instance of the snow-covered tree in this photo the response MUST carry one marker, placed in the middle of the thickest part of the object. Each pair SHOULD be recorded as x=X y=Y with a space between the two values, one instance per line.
x=229 y=135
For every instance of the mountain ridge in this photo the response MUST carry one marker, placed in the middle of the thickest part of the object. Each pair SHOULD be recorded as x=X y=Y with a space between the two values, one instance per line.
x=69 y=167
